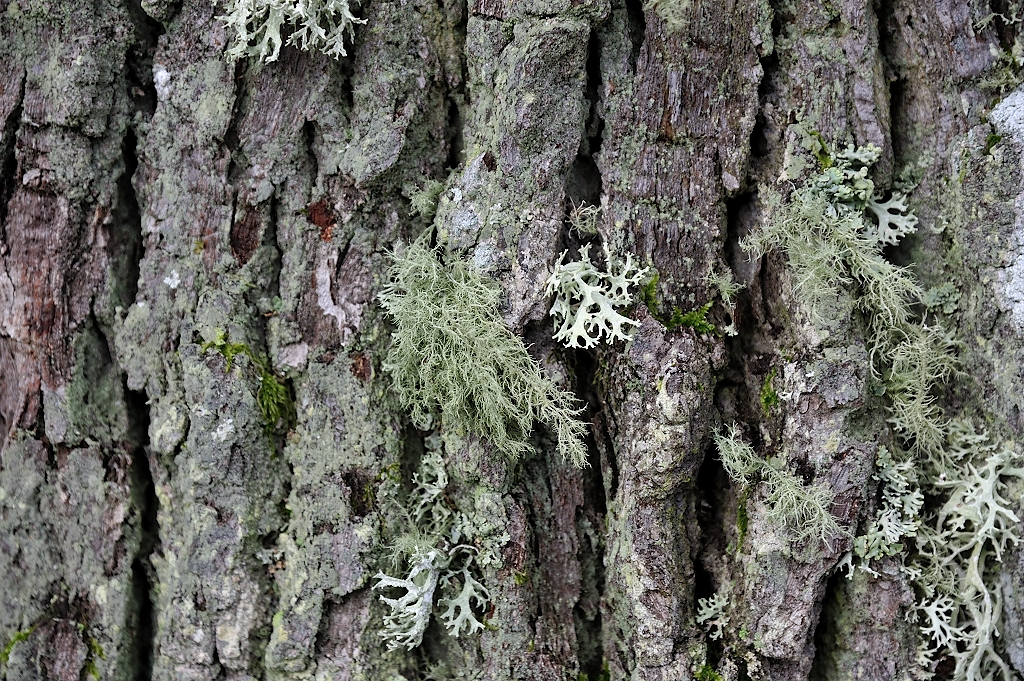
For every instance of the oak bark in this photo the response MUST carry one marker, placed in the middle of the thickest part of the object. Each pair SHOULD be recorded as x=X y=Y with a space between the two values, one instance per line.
x=154 y=194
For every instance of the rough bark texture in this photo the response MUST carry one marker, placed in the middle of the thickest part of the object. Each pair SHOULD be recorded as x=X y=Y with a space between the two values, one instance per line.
x=154 y=194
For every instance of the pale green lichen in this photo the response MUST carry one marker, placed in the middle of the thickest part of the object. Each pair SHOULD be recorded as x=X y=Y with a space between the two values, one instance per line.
x=711 y=615
x=583 y=218
x=802 y=510
x=587 y=300
x=675 y=13
x=439 y=551
x=256 y=26
x=727 y=286
x=833 y=230
x=453 y=358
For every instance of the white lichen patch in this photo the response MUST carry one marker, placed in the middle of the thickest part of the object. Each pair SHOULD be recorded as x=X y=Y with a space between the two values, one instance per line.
x=224 y=430
x=587 y=300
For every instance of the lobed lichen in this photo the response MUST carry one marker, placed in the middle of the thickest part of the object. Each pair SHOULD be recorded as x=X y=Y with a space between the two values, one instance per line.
x=587 y=300
x=440 y=550
x=320 y=25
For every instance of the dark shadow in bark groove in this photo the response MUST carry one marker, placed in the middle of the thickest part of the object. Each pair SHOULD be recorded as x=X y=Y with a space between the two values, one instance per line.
x=823 y=666
x=637 y=30
x=139 y=59
x=9 y=164
x=143 y=574
x=590 y=529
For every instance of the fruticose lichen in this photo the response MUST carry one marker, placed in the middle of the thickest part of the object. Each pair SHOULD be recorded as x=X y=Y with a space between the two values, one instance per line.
x=587 y=300
x=803 y=510
x=452 y=358
x=315 y=24
x=439 y=549
x=943 y=509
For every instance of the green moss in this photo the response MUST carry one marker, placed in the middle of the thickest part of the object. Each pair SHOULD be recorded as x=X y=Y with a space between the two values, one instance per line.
x=769 y=398
x=95 y=653
x=742 y=520
x=273 y=397
x=708 y=673
x=19 y=636
x=649 y=293
x=694 y=319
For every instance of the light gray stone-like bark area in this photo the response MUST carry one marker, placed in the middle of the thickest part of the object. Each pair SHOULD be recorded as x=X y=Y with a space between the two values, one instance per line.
x=177 y=230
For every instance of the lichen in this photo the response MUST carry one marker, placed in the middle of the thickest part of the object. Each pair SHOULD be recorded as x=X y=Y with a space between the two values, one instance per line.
x=942 y=509
x=711 y=615
x=802 y=510
x=320 y=25
x=587 y=300
x=440 y=551
x=452 y=358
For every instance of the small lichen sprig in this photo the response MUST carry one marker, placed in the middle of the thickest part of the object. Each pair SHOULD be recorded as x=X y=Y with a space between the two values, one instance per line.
x=899 y=517
x=675 y=13
x=955 y=563
x=452 y=356
x=438 y=559
x=320 y=25
x=587 y=300
x=802 y=510
x=711 y=615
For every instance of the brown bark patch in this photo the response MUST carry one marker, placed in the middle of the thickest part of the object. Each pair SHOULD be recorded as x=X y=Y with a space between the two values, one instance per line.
x=246 y=236
x=321 y=215
x=362 y=368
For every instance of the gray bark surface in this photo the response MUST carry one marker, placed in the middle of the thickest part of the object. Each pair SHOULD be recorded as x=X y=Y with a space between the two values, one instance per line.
x=154 y=194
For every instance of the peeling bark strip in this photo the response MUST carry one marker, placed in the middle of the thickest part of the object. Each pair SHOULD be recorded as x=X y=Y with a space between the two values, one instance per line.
x=156 y=195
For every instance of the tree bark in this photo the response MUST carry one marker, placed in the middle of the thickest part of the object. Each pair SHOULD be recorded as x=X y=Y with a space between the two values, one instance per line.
x=155 y=196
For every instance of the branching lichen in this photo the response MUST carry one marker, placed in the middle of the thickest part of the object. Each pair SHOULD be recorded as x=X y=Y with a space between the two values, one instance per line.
x=320 y=25
x=587 y=300
x=438 y=558
x=453 y=358
x=803 y=510
x=833 y=230
x=711 y=615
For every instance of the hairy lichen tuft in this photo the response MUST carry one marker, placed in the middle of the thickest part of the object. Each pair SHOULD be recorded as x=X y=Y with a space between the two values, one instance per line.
x=452 y=357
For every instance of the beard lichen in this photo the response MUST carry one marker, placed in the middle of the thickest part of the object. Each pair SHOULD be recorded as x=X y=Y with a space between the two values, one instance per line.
x=452 y=358
x=943 y=509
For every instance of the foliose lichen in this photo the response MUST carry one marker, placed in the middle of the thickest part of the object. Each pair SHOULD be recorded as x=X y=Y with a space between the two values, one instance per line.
x=320 y=25
x=943 y=509
x=440 y=550
x=587 y=300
